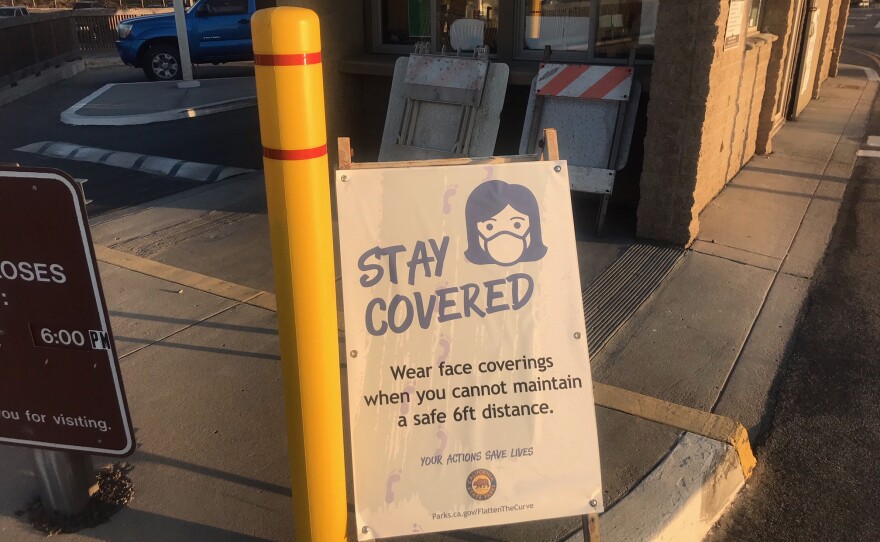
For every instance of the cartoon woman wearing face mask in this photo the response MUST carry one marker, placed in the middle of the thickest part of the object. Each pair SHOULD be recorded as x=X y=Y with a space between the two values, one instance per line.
x=503 y=225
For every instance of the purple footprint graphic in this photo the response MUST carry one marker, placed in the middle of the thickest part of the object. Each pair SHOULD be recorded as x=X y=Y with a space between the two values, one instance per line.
x=444 y=349
x=389 y=486
x=404 y=406
x=441 y=434
x=447 y=207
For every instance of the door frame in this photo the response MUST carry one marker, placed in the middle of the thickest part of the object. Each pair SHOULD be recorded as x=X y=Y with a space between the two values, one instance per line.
x=783 y=106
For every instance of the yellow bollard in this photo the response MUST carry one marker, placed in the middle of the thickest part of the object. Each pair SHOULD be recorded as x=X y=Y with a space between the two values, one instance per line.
x=290 y=98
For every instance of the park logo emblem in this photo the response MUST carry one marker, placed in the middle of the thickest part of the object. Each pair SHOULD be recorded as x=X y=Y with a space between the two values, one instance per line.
x=481 y=484
x=503 y=225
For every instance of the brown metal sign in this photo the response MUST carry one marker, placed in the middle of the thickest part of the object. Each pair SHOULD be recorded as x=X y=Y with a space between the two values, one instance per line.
x=60 y=384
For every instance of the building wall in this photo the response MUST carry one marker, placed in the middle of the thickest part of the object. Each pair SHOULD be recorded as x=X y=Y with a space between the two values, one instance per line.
x=712 y=109
x=780 y=19
x=750 y=97
x=838 y=39
x=825 y=56
x=683 y=53
x=703 y=115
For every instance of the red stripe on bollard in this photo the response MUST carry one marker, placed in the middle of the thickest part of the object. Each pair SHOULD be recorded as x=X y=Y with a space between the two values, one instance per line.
x=302 y=59
x=295 y=154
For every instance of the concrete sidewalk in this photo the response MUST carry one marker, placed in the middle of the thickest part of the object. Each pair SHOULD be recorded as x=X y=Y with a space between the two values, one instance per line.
x=188 y=282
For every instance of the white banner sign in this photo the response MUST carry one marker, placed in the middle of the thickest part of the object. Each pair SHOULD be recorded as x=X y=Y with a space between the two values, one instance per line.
x=734 y=30
x=469 y=385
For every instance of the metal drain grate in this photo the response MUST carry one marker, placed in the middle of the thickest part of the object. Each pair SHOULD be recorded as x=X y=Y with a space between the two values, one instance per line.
x=623 y=287
x=147 y=245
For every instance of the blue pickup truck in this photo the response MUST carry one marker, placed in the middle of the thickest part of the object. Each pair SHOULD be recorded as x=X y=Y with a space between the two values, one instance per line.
x=219 y=31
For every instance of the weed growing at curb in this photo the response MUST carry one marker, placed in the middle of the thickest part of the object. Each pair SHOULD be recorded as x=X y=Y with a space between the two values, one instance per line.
x=115 y=490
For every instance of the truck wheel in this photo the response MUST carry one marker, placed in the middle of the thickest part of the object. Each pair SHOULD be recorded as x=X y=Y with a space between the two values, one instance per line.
x=162 y=63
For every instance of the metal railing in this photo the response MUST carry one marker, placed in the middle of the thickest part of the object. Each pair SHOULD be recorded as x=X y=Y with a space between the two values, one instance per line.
x=96 y=28
x=31 y=44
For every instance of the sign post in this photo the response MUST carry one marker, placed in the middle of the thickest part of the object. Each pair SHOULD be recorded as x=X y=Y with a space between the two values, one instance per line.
x=60 y=384
x=469 y=382
x=183 y=46
x=65 y=479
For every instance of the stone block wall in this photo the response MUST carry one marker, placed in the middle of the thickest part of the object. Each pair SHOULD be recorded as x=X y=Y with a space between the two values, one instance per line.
x=750 y=97
x=712 y=109
x=702 y=118
x=684 y=52
x=830 y=46
x=827 y=31
x=781 y=20
x=838 y=38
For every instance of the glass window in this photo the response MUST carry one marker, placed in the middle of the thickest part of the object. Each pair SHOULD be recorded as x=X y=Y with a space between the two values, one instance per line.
x=225 y=7
x=624 y=25
x=405 y=22
x=466 y=24
x=564 y=25
x=460 y=25
x=582 y=30
x=755 y=14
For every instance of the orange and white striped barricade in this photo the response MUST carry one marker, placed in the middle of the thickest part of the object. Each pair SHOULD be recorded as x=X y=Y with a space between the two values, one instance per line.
x=593 y=109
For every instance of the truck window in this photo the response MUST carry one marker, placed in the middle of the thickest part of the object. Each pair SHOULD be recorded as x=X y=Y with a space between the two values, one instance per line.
x=225 y=7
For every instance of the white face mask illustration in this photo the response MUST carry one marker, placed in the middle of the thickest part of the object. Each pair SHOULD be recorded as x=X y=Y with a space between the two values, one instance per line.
x=505 y=236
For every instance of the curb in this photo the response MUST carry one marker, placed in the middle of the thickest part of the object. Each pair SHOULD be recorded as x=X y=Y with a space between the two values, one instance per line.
x=681 y=499
x=870 y=74
x=34 y=83
x=70 y=115
x=156 y=165
x=96 y=62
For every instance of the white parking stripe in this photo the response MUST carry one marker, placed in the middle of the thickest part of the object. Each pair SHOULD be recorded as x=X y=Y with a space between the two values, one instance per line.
x=157 y=165
x=868 y=153
x=874 y=141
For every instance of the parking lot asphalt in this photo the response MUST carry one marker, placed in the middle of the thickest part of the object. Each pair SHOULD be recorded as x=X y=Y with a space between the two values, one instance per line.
x=227 y=139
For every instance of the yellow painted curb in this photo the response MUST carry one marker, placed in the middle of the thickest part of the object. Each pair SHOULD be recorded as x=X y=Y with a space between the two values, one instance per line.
x=183 y=277
x=709 y=425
